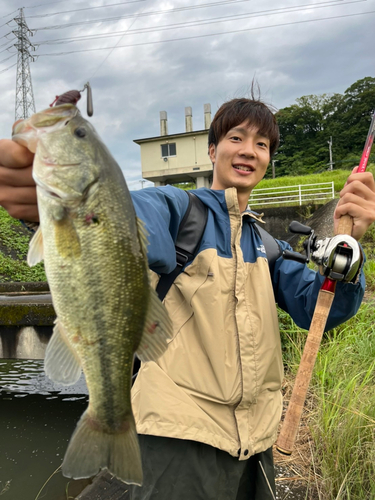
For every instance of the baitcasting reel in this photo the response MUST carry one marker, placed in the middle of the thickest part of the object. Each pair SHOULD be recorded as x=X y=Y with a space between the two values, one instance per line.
x=339 y=258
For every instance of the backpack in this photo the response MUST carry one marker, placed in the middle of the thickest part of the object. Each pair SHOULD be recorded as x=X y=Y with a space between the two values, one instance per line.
x=189 y=236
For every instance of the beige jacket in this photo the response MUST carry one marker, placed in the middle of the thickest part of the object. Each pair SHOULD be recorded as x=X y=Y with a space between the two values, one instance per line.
x=219 y=380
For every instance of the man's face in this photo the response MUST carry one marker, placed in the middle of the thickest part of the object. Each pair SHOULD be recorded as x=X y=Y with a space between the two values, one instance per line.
x=240 y=159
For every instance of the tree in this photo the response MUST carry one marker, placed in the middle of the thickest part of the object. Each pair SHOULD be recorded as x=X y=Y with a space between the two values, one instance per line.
x=301 y=136
x=350 y=122
x=305 y=128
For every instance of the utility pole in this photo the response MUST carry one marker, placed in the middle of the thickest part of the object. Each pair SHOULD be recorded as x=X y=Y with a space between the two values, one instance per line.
x=273 y=169
x=25 y=104
x=330 y=153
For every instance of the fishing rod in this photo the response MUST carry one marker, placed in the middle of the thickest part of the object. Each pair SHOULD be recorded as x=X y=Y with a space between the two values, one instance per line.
x=339 y=259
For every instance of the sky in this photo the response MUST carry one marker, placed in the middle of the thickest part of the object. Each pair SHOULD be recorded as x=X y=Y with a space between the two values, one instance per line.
x=146 y=56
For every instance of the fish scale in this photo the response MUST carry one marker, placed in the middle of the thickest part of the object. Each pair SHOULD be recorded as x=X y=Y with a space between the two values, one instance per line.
x=94 y=250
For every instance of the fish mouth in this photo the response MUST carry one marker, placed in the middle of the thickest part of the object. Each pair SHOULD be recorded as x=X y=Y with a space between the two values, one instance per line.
x=54 y=192
x=46 y=190
x=50 y=162
x=50 y=117
x=27 y=132
x=243 y=168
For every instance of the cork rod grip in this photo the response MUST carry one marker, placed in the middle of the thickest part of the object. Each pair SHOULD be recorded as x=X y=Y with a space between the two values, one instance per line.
x=288 y=433
x=345 y=225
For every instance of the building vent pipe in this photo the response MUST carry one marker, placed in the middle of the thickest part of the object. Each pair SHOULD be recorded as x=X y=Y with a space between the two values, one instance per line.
x=189 y=119
x=207 y=116
x=163 y=123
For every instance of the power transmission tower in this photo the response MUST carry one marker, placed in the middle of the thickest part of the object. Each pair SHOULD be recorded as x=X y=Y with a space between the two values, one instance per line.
x=24 y=89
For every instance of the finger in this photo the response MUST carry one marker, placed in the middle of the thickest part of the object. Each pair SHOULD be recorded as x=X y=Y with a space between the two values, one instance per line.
x=16 y=177
x=356 y=199
x=362 y=212
x=24 y=212
x=12 y=155
x=11 y=197
x=363 y=184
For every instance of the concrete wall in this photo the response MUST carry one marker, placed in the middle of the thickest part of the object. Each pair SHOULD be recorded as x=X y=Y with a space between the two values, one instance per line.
x=26 y=320
x=278 y=219
x=24 y=342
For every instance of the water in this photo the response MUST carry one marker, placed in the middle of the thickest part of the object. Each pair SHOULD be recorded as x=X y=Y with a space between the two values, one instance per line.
x=37 y=418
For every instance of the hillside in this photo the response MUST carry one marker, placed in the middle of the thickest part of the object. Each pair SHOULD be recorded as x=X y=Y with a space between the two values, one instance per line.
x=14 y=243
x=337 y=176
x=14 y=237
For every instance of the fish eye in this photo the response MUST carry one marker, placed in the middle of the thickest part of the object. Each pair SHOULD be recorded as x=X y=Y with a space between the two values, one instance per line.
x=80 y=132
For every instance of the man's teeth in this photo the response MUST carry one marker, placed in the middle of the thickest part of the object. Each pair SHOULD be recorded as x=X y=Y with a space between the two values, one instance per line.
x=242 y=167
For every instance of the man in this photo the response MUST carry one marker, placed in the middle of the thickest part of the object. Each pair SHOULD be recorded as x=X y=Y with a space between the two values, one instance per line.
x=207 y=411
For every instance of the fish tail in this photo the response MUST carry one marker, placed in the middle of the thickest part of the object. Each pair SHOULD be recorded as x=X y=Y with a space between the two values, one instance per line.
x=91 y=449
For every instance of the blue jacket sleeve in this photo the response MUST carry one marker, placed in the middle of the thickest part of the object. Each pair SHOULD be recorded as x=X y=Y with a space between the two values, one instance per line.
x=161 y=209
x=296 y=290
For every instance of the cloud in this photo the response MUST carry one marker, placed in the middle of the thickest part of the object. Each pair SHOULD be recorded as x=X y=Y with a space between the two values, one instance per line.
x=132 y=84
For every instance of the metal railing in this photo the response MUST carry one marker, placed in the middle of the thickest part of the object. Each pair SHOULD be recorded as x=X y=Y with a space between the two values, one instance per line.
x=293 y=195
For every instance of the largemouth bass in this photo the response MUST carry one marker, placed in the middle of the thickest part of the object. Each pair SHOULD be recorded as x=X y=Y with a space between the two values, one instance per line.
x=94 y=250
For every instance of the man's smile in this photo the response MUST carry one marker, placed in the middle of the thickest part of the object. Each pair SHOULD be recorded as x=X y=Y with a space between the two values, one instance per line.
x=244 y=168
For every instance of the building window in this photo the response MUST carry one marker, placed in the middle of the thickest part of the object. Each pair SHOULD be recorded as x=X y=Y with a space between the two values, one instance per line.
x=168 y=149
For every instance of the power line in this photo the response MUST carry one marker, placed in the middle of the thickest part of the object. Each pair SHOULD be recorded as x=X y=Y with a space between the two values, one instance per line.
x=209 y=34
x=85 y=8
x=10 y=44
x=188 y=24
x=7 y=59
x=43 y=4
x=6 y=69
x=108 y=55
x=7 y=15
x=144 y=14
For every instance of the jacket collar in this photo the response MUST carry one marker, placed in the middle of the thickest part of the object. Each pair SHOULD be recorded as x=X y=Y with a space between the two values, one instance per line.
x=234 y=209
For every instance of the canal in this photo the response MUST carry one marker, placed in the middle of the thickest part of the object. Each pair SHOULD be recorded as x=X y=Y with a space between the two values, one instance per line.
x=37 y=418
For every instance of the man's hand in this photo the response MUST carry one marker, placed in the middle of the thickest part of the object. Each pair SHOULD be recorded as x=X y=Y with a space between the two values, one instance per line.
x=357 y=199
x=17 y=187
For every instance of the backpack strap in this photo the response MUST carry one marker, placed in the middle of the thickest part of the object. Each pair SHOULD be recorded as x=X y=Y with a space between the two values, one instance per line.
x=189 y=236
x=273 y=250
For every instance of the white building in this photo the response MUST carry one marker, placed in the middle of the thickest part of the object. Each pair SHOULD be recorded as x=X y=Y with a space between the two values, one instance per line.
x=183 y=157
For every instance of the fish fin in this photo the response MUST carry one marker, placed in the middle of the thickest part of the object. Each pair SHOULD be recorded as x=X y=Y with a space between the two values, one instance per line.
x=67 y=240
x=157 y=330
x=91 y=449
x=35 y=253
x=61 y=362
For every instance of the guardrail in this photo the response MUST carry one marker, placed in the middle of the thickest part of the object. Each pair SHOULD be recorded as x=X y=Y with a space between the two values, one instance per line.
x=291 y=195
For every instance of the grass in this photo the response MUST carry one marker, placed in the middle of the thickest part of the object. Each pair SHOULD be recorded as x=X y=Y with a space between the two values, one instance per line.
x=14 y=244
x=342 y=411
x=338 y=176
x=344 y=421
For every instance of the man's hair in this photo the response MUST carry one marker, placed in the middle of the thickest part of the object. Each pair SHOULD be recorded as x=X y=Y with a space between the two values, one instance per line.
x=251 y=111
